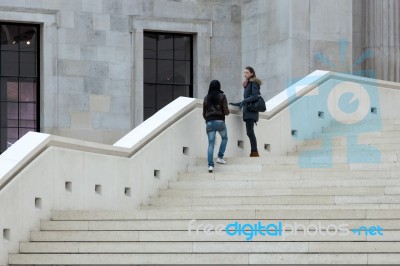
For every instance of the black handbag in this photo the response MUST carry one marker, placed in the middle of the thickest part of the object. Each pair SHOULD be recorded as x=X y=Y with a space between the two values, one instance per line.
x=257 y=106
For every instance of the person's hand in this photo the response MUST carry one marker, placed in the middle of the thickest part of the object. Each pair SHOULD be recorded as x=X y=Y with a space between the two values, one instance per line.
x=239 y=104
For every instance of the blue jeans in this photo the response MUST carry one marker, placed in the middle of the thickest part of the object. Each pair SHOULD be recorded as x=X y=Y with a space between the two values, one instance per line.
x=212 y=127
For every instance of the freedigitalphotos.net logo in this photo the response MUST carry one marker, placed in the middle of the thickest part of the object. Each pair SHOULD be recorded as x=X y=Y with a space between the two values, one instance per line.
x=343 y=108
x=279 y=229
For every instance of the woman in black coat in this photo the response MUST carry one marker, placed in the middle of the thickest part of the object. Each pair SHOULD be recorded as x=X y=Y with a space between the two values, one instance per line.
x=251 y=92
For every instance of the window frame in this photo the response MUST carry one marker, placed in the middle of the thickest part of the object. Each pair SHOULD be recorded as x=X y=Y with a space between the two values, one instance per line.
x=19 y=79
x=157 y=59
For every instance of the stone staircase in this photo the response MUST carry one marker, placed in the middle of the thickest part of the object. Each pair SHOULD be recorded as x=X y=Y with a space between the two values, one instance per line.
x=272 y=190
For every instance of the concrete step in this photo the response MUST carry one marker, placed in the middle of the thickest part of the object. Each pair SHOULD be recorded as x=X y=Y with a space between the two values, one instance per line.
x=388 y=133
x=223 y=193
x=199 y=169
x=345 y=174
x=306 y=183
x=379 y=121
x=375 y=166
x=388 y=199
x=271 y=175
x=343 y=141
x=296 y=167
x=182 y=224
x=373 y=139
x=339 y=158
x=360 y=128
x=125 y=259
x=389 y=148
x=279 y=191
x=270 y=159
x=391 y=166
x=331 y=168
x=390 y=127
x=283 y=200
x=335 y=166
x=106 y=247
x=249 y=200
x=269 y=207
x=206 y=236
x=209 y=247
x=256 y=168
x=392 y=190
x=362 y=139
x=355 y=213
x=322 y=157
x=225 y=259
x=287 y=167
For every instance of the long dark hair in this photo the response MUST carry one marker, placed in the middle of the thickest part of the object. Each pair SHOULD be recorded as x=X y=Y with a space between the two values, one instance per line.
x=249 y=68
x=213 y=93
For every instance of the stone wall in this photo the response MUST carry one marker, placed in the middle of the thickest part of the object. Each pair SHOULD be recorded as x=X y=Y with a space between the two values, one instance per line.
x=88 y=88
x=92 y=68
x=282 y=39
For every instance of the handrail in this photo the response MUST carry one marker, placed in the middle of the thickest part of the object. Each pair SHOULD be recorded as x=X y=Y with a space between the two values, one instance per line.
x=12 y=163
x=285 y=98
x=150 y=128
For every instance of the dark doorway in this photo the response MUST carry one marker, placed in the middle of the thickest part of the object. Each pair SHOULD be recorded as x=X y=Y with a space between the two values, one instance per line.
x=167 y=69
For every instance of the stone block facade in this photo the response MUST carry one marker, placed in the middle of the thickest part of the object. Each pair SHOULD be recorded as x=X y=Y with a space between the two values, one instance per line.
x=92 y=50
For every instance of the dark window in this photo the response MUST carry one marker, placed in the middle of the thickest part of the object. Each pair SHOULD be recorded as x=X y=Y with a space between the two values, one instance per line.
x=19 y=81
x=168 y=69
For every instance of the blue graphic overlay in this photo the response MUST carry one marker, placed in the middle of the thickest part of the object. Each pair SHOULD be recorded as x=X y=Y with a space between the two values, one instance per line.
x=341 y=108
x=281 y=229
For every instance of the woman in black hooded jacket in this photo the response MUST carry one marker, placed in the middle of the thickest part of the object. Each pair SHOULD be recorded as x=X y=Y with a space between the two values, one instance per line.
x=251 y=93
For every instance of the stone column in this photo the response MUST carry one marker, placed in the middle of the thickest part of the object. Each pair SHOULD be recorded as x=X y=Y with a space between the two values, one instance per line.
x=381 y=30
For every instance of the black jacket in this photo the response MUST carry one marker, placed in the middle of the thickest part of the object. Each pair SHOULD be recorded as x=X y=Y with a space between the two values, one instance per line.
x=250 y=94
